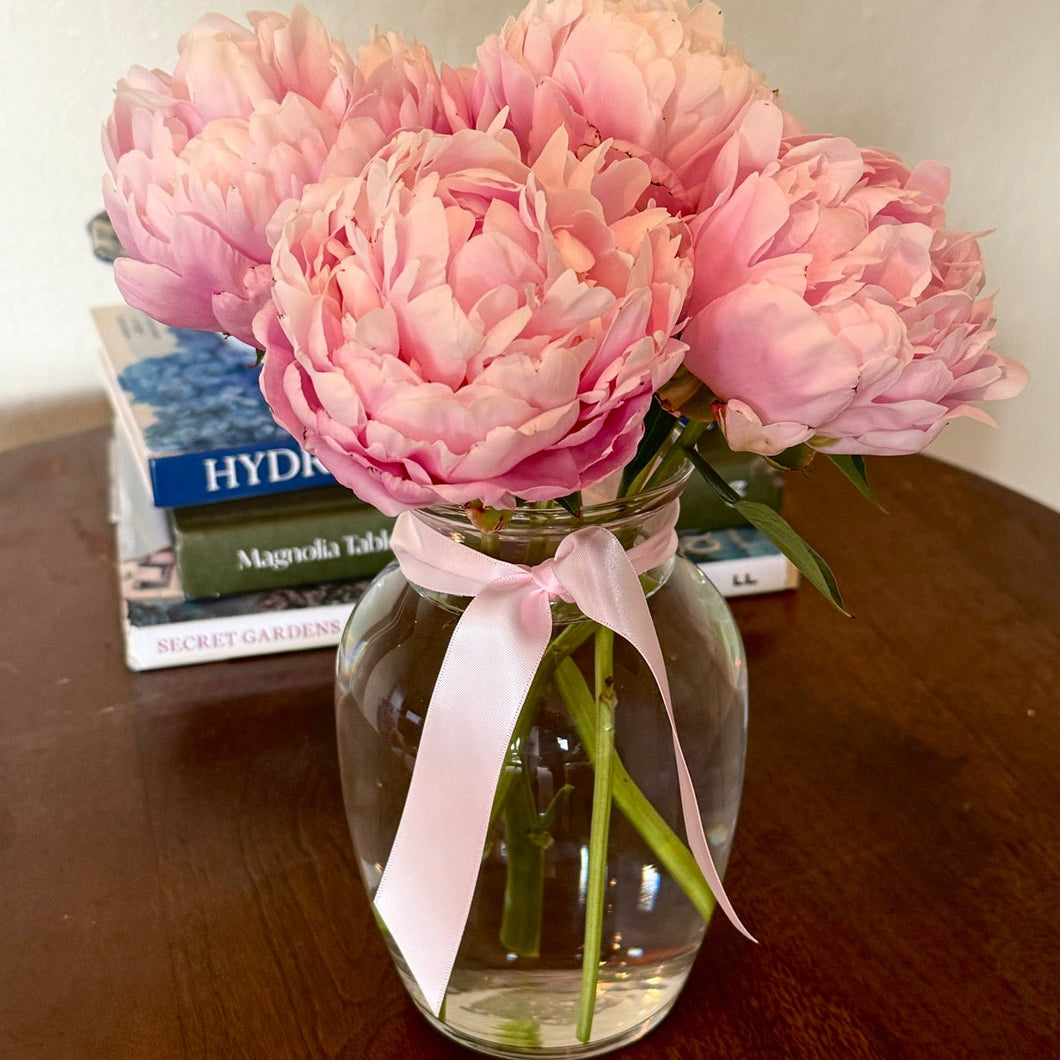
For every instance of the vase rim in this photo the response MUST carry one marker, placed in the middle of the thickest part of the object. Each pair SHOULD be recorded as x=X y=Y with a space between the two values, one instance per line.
x=559 y=518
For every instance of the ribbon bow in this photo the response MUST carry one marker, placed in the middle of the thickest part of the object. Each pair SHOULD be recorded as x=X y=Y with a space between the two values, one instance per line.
x=426 y=890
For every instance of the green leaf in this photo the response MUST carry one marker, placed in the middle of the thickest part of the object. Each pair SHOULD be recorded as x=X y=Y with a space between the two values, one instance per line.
x=658 y=426
x=807 y=559
x=713 y=479
x=796 y=458
x=854 y=469
x=778 y=530
x=572 y=503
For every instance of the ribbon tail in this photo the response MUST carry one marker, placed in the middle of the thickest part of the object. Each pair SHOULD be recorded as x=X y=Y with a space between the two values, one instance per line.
x=605 y=586
x=427 y=887
x=697 y=840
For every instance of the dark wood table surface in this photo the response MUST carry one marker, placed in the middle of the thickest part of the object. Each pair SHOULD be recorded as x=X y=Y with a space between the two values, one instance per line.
x=177 y=880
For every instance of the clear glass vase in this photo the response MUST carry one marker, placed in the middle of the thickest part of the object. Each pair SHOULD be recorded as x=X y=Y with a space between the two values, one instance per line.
x=517 y=988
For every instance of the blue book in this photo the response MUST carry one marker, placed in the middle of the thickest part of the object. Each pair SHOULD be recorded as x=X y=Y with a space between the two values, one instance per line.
x=190 y=407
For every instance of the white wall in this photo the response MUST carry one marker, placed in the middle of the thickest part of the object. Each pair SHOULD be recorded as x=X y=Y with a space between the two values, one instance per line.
x=975 y=85
x=59 y=61
x=967 y=82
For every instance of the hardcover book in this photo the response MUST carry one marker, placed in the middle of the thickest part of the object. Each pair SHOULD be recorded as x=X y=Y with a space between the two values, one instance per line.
x=739 y=560
x=163 y=629
x=279 y=541
x=190 y=404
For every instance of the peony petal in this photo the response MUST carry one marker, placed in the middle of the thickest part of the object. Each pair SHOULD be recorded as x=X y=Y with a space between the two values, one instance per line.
x=745 y=432
x=765 y=347
x=161 y=294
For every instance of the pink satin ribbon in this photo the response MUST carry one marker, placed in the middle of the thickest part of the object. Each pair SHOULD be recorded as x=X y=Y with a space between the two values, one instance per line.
x=426 y=890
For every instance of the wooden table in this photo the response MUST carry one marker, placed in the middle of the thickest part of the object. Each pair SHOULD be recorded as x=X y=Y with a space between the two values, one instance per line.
x=176 y=877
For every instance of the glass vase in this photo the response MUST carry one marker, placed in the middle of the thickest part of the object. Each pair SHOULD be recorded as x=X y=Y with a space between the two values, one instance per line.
x=519 y=985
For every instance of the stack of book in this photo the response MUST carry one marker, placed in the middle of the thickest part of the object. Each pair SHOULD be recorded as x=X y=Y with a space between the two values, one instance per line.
x=232 y=541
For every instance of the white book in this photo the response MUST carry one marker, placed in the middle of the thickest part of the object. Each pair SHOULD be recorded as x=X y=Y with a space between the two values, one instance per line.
x=740 y=560
x=162 y=632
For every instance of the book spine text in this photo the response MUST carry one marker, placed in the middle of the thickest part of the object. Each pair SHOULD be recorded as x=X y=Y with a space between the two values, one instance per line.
x=184 y=479
x=210 y=640
x=751 y=576
x=346 y=544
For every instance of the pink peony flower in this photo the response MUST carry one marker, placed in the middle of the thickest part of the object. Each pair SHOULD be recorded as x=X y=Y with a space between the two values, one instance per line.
x=831 y=307
x=200 y=160
x=398 y=87
x=404 y=89
x=453 y=326
x=654 y=76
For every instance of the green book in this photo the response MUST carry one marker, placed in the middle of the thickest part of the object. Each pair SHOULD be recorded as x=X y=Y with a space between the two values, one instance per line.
x=752 y=476
x=278 y=541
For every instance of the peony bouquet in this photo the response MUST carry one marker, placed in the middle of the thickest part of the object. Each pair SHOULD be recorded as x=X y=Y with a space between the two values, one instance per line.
x=542 y=281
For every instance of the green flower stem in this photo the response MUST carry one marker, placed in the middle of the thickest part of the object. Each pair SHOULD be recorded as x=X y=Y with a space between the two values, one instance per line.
x=514 y=802
x=672 y=853
x=660 y=434
x=527 y=835
x=565 y=643
x=596 y=890
x=637 y=484
x=675 y=455
x=524 y=888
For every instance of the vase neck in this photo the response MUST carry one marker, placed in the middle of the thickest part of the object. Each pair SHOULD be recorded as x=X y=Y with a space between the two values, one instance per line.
x=531 y=534
x=530 y=538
